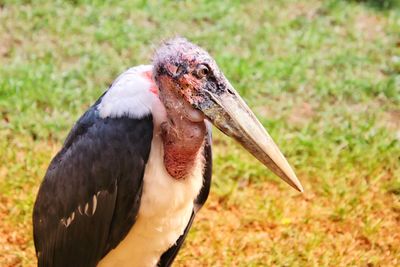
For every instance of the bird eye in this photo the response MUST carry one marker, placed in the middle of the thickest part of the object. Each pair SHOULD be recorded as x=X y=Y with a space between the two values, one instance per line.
x=180 y=70
x=202 y=71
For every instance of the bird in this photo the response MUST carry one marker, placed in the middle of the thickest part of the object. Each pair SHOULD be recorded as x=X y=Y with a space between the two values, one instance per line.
x=136 y=167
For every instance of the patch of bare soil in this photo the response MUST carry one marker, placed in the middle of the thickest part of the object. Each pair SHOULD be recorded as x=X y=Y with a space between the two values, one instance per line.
x=5 y=45
x=236 y=234
x=308 y=10
x=301 y=114
x=393 y=119
x=15 y=245
x=371 y=26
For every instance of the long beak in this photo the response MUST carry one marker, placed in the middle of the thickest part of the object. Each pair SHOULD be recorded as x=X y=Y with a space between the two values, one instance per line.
x=229 y=113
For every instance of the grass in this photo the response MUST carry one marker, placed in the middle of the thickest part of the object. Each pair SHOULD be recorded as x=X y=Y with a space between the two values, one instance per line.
x=323 y=77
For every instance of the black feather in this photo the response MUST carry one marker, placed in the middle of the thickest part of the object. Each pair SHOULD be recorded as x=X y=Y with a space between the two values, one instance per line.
x=102 y=159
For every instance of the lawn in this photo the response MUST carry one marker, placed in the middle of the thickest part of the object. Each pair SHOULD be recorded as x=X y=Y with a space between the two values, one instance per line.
x=322 y=76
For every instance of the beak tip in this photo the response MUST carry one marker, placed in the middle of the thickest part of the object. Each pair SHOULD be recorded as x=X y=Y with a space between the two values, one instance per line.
x=297 y=185
x=288 y=175
x=291 y=178
x=300 y=188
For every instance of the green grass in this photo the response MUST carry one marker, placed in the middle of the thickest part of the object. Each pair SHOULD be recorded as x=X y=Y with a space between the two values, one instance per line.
x=322 y=76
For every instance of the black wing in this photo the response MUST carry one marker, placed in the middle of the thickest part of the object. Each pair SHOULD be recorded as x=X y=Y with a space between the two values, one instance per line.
x=91 y=192
x=168 y=257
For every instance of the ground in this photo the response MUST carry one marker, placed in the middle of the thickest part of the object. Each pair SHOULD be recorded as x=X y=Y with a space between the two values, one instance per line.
x=322 y=76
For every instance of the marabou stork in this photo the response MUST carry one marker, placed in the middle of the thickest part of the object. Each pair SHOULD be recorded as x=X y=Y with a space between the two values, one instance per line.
x=136 y=167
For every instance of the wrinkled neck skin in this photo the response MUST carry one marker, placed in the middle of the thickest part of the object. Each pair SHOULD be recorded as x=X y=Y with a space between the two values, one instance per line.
x=183 y=133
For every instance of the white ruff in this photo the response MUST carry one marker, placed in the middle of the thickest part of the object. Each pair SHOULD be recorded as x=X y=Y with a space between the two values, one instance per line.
x=129 y=95
x=165 y=207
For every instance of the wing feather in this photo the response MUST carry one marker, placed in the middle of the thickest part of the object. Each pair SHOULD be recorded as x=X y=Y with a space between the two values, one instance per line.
x=91 y=192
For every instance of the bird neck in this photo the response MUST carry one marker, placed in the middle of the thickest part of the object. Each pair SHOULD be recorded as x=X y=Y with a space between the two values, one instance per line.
x=183 y=134
x=182 y=141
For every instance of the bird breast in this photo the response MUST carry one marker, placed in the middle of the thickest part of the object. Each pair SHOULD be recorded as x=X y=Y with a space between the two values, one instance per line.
x=165 y=210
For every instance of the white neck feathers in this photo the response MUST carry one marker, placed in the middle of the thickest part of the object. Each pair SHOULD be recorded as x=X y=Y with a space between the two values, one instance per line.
x=130 y=95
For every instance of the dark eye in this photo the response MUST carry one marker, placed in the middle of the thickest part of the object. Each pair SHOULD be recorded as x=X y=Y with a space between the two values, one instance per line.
x=202 y=71
x=180 y=70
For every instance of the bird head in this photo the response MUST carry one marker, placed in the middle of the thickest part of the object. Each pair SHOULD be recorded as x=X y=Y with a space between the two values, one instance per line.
x=190 y=80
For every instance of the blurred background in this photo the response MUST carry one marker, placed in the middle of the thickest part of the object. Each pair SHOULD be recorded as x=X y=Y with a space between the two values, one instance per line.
x=322 y=76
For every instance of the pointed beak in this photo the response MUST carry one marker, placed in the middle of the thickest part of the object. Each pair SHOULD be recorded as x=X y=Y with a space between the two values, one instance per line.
x=229 y=113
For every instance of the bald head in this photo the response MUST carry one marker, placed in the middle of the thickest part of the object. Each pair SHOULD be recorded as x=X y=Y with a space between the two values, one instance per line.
x=177 y=56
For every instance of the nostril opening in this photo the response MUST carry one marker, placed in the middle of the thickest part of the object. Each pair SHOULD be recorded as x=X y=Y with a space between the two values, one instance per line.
x=230 y=91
